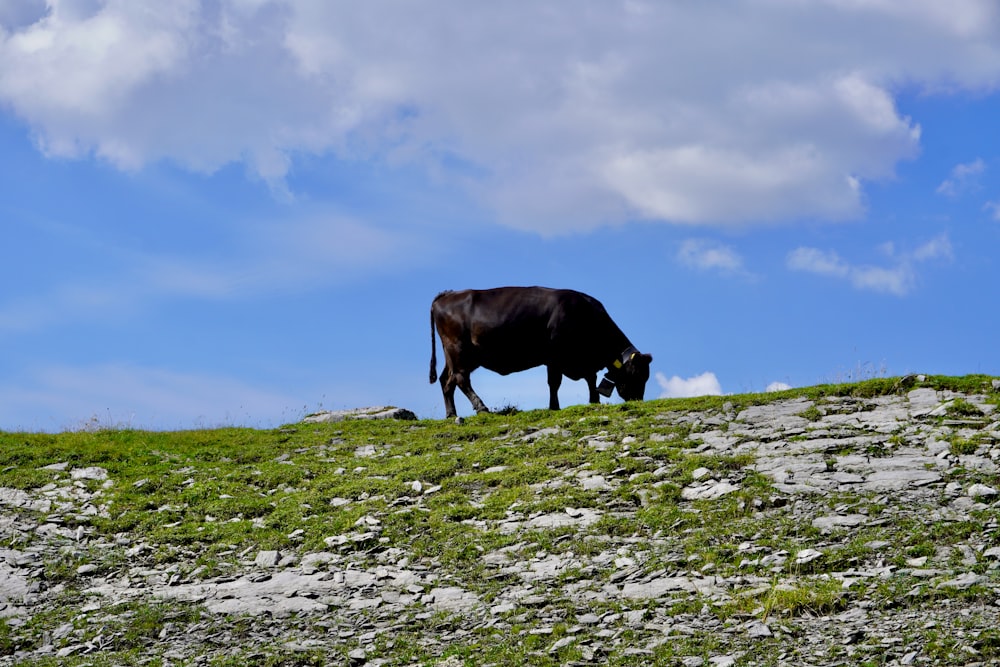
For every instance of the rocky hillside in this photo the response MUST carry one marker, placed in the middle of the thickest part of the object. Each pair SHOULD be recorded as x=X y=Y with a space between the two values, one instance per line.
x=839 y=525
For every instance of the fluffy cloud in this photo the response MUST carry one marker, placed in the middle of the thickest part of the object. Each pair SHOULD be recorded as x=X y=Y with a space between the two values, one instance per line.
x=964 y=177
x=777 y=386
x=705 y=384
x=709 y=255
x=898 y=277
x=559 y=118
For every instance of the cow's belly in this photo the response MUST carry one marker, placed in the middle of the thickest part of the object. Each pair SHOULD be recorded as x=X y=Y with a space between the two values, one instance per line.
x=510 y=349
x=508 y=366
x=507 y=359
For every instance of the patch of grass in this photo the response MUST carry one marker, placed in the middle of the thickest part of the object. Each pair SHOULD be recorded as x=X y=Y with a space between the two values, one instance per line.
x=812 y=413
x=963 y=446
x=816 y=596
x=507 y=410
x=6 y=637
x=147 y=621
x=961 y=408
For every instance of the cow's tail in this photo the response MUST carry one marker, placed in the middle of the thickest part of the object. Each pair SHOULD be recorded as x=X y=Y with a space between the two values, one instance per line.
x=434 y=372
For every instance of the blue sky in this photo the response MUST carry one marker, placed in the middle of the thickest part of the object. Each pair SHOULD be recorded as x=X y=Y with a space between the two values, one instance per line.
x=237 y=212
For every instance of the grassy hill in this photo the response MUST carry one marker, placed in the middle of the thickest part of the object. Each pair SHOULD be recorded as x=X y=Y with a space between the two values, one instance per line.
x=838 y=524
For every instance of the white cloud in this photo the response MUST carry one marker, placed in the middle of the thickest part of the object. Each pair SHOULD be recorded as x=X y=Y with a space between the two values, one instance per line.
x=822 y=262
x=938 y=247
x=899 y=278
x=777 y=386
x=707 y=255
x=705 y=384
x=560 y=119
x=963 y=178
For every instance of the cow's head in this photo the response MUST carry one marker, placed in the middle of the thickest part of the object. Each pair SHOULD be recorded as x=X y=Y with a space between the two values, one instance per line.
x=630 y=374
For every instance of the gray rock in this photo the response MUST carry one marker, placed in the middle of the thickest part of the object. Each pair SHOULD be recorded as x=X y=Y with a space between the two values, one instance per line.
x=380 y=412
x=981 y=491
x=662 y=586
x=757 y=629
x=561 y=643
x=570 y=517
x=962 y=581
x=545 y=433
x=778 y=414
x=828 y=523
x=545 y=568
x=503 y=608
x=807 y=556
x=91 y=473
x=897 y=478
x=24 y=500
x=267 y=559
x=708 y=491
x=847 y=478
x=451 y=599
x=723 y=661
x=594 y=483
x=15 y=586
x=922 y=401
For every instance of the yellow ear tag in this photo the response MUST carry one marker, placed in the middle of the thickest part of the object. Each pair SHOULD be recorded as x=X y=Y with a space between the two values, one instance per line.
x=632 y=357
x=618 y=364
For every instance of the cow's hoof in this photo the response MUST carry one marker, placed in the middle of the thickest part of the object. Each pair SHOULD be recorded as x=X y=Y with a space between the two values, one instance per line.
x=459 y=421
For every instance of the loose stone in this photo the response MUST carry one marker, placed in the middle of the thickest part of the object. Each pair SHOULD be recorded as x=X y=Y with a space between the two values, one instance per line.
x=267 y=559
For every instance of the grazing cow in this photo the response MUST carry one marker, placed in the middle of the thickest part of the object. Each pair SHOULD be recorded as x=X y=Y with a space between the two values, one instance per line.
x=510 y=329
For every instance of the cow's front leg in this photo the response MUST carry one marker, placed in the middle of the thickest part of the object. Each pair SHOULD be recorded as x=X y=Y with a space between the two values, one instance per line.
x=555 y=379
x=466 y=386
x=595 y=397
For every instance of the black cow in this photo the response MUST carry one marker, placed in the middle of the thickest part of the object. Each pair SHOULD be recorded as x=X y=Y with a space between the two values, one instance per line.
x=510 y=329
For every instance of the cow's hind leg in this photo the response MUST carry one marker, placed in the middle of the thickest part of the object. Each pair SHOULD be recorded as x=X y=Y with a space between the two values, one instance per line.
x=448 y=390
x=555 y=379
x=462 y=380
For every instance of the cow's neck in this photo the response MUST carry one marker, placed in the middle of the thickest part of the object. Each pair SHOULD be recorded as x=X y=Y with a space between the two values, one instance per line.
x=620 y=349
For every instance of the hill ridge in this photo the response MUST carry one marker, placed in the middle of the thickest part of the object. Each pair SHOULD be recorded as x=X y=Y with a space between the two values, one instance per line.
x=827 y=525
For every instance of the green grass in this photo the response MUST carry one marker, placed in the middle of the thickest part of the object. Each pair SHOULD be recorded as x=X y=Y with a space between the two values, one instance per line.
x=207 y=499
